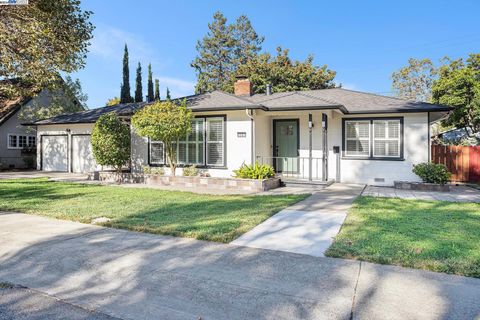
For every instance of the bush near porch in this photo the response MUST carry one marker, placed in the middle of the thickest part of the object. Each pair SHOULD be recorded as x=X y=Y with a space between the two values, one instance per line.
x=183 y=214
x=431 y=235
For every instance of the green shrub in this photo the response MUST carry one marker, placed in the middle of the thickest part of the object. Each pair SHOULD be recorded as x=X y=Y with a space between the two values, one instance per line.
x=154 y=170
x=190 y=171
x=432 y=173
x=255 y=171
x=111 y=141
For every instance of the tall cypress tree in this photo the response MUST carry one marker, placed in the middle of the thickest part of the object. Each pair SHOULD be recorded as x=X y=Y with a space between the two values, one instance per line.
x=125 y=96
x=138 y=85
x=150 y=84
x=157 y=90
x=168 y=95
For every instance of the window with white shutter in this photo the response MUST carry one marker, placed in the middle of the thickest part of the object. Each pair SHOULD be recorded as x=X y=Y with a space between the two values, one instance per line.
x=357 y=138
x=215 y=142
x=373 y=138
x=386 y=138
x=205 y=140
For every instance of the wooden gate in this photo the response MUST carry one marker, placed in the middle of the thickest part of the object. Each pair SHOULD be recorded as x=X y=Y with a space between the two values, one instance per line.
x=462 y=162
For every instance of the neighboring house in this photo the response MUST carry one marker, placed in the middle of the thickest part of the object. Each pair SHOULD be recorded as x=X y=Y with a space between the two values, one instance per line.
x=315 y=135
x=457 y=135
x=17 y=142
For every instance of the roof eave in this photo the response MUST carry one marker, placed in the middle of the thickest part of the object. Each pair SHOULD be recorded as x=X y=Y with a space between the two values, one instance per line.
x=401 y=111
x=228 y=108
x=306 y=108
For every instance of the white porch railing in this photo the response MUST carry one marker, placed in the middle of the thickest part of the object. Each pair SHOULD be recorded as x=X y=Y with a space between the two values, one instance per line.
x=295 y=168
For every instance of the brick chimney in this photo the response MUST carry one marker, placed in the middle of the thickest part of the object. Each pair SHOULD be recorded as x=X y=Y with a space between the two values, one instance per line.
x=243 y=86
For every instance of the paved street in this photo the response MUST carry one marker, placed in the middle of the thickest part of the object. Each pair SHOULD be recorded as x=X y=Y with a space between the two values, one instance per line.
x=140 y=276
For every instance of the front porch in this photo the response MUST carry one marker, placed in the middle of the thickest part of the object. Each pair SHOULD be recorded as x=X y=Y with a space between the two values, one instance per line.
x=295 y=144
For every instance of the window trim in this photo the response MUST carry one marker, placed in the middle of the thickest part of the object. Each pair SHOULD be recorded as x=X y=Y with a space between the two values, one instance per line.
x=149 y=154
x=398 y=140
x=204 y=165
x=357 y=156
x=18 y=135
x=371 y=156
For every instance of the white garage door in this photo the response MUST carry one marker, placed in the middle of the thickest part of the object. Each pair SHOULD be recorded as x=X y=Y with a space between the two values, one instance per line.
x=54 y=153
x=82 y=156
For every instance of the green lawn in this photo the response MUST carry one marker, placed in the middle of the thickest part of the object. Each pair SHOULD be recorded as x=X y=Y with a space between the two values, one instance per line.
x=184 y=214
x=431 y=235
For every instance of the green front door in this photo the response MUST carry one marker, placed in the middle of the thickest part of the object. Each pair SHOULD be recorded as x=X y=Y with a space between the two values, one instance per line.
x=286 y=145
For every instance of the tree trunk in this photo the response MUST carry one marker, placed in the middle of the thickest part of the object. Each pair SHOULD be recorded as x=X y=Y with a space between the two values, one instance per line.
x=171 y=157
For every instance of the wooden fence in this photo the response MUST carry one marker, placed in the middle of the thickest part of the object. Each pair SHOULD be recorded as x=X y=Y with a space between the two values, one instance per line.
x=462 y=162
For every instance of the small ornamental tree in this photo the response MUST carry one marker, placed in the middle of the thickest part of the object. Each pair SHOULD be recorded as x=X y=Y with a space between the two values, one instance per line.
x=164 y=121
x=111 y=141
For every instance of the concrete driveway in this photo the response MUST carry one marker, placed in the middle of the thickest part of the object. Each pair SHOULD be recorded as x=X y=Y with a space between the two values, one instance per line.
x=140 y=276
x=307 y=227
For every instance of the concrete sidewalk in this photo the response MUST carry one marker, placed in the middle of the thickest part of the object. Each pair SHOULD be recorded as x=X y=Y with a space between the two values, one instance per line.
x=307 y=227
x=132 y=275
x=23 y=303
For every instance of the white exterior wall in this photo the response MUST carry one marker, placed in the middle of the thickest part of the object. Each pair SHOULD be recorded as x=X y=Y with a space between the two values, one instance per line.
x=238 y=150
x=415 y=144
x=61 y=129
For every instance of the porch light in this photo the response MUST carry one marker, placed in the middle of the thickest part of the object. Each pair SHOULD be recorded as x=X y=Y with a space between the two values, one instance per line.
x=310 y=121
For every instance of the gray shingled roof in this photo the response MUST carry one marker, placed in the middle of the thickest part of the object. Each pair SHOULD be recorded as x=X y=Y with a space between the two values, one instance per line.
x=218 y=100
x=92 y=115
x=363 y=102
x=296 y=100
x=347 y=101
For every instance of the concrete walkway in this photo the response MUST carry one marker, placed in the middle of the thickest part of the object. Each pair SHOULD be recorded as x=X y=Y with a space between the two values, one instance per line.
x=132 y=275
x=456 y=194
x=307 y=227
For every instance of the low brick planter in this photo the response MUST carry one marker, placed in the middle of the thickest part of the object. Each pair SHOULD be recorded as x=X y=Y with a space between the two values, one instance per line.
x=205 y=183
x=211 y=183
x=421 y=186
x=112 y=177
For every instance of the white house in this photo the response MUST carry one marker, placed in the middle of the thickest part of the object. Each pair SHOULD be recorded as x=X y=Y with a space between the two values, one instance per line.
x=316 y=135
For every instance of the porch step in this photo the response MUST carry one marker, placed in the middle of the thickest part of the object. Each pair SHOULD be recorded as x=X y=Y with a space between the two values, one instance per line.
x=303 y=183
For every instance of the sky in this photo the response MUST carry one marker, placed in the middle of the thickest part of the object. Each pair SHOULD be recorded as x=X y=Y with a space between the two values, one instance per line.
x=363 y=41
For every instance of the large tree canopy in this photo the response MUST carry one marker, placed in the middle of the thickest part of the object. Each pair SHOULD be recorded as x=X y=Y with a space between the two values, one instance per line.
x=285 y=74
x=414 y=81
x=233 y=49
x=222 y=50
x=39 y=40
x=458 y=85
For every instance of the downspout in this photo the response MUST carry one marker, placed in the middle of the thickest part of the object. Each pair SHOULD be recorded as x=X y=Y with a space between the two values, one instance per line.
x=252 y=134
x=429 y=138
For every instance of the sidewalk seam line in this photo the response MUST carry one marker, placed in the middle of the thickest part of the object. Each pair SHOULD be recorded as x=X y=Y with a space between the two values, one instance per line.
x=67 y=302
x=355 y=291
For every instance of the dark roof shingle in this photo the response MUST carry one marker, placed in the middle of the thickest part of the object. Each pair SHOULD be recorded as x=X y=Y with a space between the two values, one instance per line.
x=92 y=115
x=347 y=101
